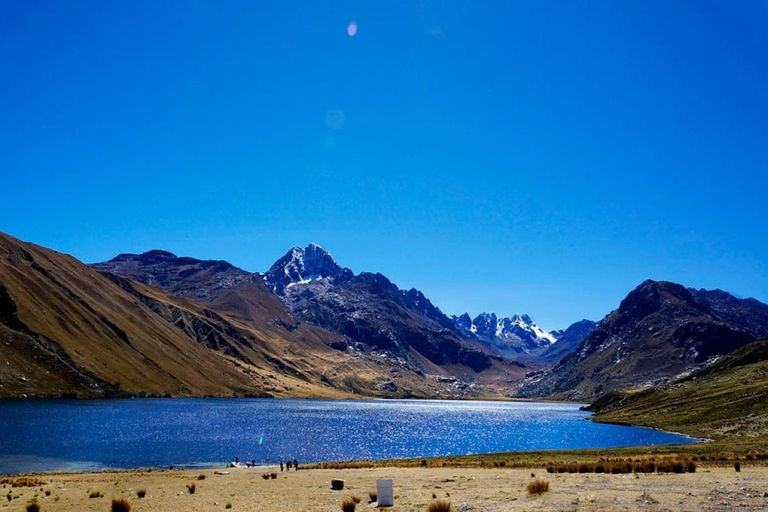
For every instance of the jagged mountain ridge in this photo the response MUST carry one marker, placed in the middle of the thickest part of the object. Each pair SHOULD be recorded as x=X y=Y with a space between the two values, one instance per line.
x=371 y=310
x=368 y=309
x=510 y=336
x=356 y=317
x=660 y=331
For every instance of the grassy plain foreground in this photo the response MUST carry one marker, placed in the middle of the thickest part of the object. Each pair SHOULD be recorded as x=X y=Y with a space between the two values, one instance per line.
x=481 y=489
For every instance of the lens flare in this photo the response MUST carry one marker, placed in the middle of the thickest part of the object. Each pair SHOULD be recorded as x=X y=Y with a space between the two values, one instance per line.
x=352 y=28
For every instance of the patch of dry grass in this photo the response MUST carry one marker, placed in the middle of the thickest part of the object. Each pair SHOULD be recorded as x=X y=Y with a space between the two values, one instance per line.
x=537 y=486
x=348 y=505
x=120 y=505
x=439 y=506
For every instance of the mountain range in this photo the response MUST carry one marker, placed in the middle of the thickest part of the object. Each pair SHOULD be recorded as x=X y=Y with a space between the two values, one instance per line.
x=158 y=324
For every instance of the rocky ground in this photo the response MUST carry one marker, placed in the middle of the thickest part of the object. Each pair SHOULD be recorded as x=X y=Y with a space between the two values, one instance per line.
x=491 y=490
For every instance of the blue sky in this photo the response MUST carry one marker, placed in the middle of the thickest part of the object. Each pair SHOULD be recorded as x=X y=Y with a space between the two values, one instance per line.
x=539 y=157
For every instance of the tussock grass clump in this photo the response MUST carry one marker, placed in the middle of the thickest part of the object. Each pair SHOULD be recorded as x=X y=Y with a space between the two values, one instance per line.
x=191 y=488
x=33 y=507
x=141 y=493
x=372 y=496
x=95 y=494
x=120 y=505
x=439 y=506
x=265 y=476
x=201 y=476
x=348 y=505
x=537 y=486
x=47 y=492
x=228 y=505
x=273 y=475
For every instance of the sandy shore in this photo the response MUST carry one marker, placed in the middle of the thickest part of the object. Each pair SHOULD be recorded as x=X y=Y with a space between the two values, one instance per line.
x=710 y=488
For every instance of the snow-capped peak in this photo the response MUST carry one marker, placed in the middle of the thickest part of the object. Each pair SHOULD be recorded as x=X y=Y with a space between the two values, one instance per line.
x=300 y=266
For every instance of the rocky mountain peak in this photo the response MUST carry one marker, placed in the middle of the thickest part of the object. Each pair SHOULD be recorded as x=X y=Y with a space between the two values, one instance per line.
x=303 y=272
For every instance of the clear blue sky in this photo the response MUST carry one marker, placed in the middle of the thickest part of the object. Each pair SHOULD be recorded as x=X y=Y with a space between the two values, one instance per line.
x=539 y=157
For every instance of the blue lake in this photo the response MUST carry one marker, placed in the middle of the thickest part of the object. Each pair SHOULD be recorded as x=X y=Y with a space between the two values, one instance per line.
x=81 y=435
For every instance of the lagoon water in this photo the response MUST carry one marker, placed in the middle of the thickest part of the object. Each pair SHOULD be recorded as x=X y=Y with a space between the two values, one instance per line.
x=80 y=435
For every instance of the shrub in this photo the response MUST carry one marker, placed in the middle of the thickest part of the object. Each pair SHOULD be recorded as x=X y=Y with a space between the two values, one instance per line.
x=95 y=494
x=228 y=505
x=141 y=493
x=373 y=496
x=201 y=476
x=191 y=488
x=33 y=507
x=265 y=476
x=348 y=505
x=691 y=467
x=537 y=486
x=356 y=499
x=439 y=506
x=47 y=492
x=120 y=505
x=273 y=475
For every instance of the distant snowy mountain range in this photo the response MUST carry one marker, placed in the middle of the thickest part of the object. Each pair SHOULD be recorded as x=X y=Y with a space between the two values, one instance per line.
x=510 y=336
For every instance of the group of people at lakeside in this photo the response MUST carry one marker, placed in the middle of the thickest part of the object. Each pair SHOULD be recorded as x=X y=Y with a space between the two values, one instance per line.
x=283 y=466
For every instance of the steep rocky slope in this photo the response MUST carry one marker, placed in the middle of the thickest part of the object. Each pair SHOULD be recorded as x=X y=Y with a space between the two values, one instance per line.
x=661 y=331
x=727 y=398
x=568 y=340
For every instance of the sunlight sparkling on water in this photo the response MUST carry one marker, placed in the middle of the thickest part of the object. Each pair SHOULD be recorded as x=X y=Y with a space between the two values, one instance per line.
x=47 y=435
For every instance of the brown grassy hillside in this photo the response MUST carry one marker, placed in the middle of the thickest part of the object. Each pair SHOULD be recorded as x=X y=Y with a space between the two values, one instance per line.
x=68 y=329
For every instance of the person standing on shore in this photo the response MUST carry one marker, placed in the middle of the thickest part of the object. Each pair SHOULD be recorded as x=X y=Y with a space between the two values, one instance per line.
x=281 y=466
